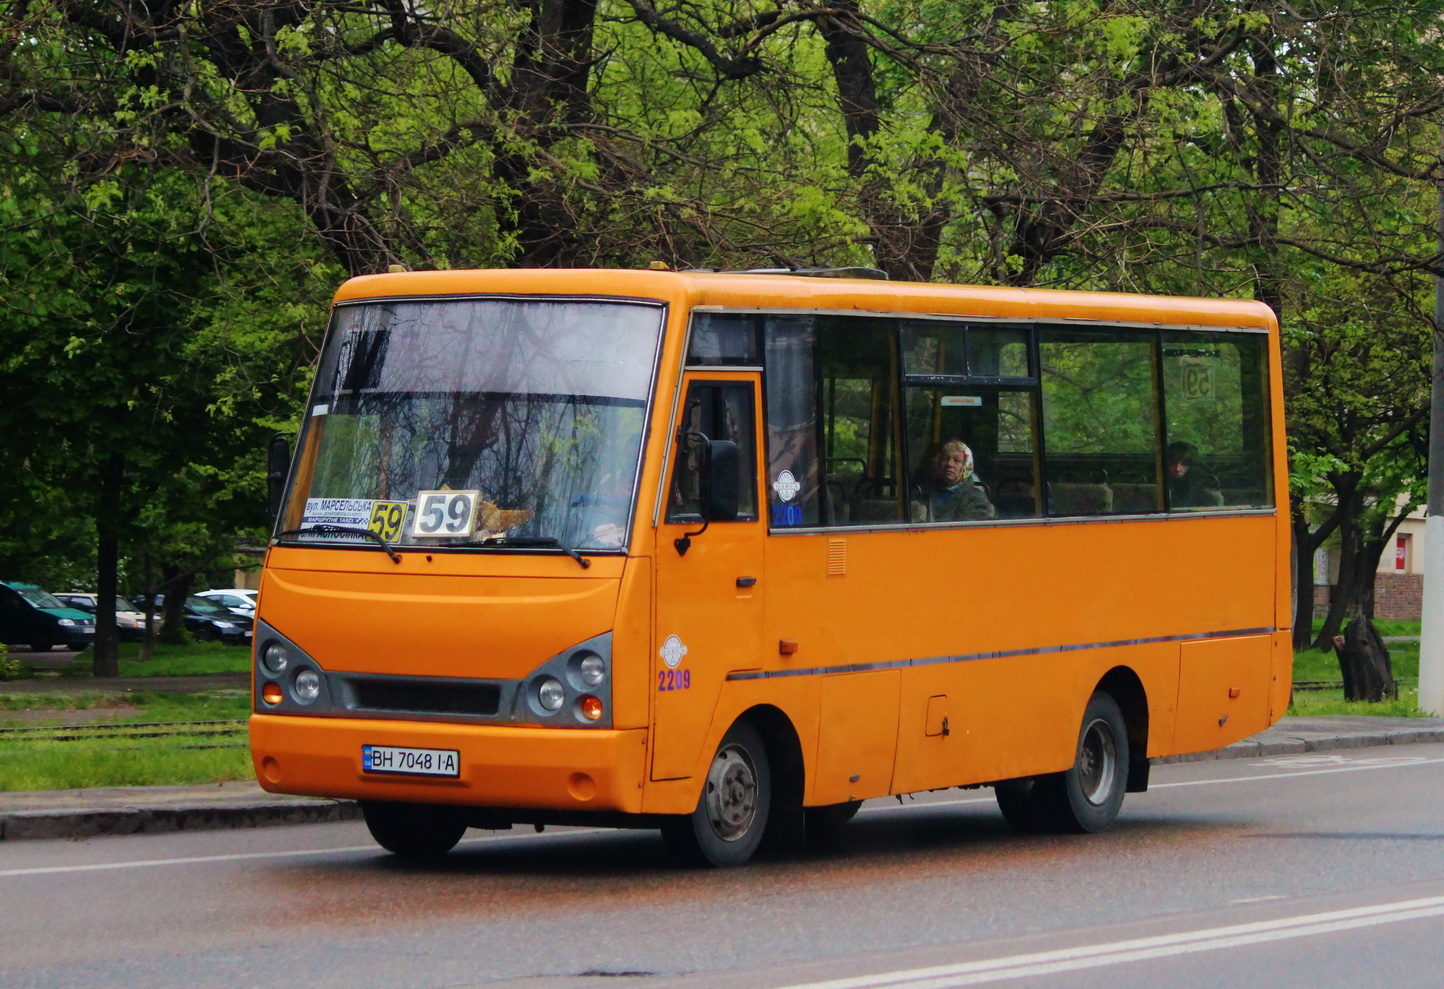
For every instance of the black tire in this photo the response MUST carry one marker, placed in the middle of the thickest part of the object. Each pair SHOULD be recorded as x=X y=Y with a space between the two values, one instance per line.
x=825 y=824
x=731 y=815
x=414 y=831
x=1086 y=798
x=41 y=641
x=1023 y=805
x=76 y=646
x=205 y=633
x=1092 y=791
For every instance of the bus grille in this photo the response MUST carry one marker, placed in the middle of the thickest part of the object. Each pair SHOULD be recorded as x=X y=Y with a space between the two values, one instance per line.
x=410 y=697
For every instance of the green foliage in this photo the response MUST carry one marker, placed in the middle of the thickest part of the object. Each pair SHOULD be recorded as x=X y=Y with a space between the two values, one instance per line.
x=178 y=198
x=10 y=668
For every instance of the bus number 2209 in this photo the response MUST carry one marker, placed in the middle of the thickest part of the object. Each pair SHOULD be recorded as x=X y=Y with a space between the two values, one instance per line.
x=674 y=679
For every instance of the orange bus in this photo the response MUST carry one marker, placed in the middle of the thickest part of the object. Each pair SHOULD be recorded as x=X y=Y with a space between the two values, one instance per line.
x=727 y=553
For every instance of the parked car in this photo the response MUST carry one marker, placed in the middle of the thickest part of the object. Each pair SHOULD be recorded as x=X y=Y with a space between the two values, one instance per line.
x=241 y=600
x=36 y=618
x=129 y=620
x=207 y=621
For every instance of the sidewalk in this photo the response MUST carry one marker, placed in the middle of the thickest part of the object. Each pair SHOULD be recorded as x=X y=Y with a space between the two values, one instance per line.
x=153 y=809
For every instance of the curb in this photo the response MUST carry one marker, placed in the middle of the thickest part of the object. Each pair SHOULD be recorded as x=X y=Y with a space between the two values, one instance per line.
x=1303 y=742
x=141 y=818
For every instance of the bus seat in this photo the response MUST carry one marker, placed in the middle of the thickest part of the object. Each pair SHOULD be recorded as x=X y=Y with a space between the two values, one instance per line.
x=876 y=510
x=1016 y=499
x=1134 y=498
x=1079 y=498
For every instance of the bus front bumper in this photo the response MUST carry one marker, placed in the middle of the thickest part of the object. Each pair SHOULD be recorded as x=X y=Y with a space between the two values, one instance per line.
x=502 y=767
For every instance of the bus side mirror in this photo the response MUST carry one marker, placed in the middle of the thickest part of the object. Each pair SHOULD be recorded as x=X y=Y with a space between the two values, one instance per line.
x=717 y=462
x=719 y=481
x=278 y=462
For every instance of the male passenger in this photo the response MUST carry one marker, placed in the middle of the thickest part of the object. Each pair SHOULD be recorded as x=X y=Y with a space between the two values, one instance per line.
x=949 y=490
x=1186 y=488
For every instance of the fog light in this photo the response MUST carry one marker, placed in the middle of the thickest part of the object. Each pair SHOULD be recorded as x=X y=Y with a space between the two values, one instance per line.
x=307 y=686
x=550 y=694
x=275 y=658
x=591 y=707
x=271 y=693
x=592 y=670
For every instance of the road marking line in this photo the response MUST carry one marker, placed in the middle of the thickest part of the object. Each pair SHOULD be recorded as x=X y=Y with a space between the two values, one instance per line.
x=1139 y=949
x=1359 y=767
x=244 y=856
x=1353 y=768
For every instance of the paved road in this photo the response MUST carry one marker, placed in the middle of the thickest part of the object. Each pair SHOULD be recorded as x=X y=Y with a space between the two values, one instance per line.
x=1315 y=870
x=136 y=810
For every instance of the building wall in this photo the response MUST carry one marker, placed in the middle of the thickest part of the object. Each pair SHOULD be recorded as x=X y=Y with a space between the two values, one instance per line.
x=1399 y=582
x=1399 y=596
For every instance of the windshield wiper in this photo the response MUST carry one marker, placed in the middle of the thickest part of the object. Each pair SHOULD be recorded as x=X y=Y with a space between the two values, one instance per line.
x=327 y=530
x=524 y=541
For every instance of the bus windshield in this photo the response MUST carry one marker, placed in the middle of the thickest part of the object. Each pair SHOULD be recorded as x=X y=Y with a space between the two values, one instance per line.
x=476 y=422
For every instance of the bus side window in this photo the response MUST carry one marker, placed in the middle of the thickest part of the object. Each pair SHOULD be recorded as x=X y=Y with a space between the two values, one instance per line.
x=1100 y=421
x=718 y=411
x=859 y=419
x=792 y=419
x=1215 y=392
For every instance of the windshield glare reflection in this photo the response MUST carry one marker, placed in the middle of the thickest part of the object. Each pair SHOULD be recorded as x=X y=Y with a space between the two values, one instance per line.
x=451 y=423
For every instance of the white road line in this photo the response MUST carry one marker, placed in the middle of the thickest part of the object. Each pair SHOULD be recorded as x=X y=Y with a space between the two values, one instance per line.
x=1360 y=767
x=244 y=856
x=1404 y=763
x=1140 y=949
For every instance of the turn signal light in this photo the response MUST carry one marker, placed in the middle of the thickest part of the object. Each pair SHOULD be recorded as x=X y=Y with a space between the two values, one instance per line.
x=591 y=707
x=271 y=693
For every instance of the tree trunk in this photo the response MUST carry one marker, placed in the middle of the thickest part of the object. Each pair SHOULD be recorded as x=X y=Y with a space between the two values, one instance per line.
x=177 y=588
x=106 y=661
x=1364 y=663
x=1305 y=546
x=1349 y=591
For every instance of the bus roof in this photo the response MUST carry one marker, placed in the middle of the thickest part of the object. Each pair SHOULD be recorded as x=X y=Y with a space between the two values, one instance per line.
x=751 y=290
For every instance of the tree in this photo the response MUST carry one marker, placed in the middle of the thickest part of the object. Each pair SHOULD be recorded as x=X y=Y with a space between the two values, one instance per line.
x=117 y=406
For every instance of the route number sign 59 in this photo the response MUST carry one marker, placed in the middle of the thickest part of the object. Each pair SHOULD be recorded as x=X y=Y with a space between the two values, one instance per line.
x=445 y=513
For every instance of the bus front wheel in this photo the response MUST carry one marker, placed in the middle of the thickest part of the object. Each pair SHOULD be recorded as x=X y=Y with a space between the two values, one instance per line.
x=1085 y=799
x=732 y=811
x=414 y=831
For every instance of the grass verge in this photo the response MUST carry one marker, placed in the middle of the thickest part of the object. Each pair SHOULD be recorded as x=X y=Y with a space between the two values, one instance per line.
x=190 y=659
x=175 y=759
x=1315 y=666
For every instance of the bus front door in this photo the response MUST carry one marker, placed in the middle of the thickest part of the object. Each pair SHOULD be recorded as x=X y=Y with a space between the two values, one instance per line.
x=709 y=587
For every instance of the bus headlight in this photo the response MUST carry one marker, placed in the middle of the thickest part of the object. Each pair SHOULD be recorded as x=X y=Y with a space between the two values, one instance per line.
x=592 y=670
x=275 y=658
x=307 y=686
x=550 y=694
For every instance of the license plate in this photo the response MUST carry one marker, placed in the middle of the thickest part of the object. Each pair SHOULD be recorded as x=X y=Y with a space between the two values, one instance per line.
x=410 y=762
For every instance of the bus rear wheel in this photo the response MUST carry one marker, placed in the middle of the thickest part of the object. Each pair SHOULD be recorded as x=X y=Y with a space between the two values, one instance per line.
x=1085 y=799
x=414 y=831
x=732 y=812
x=825 y=824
